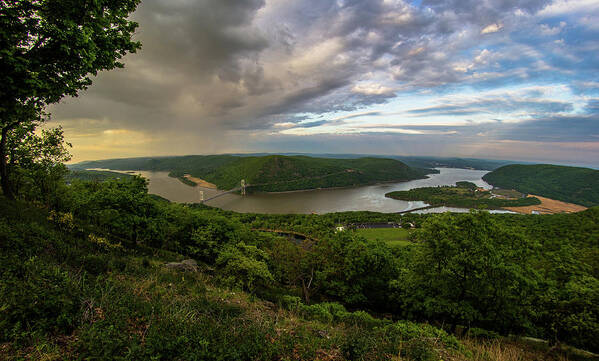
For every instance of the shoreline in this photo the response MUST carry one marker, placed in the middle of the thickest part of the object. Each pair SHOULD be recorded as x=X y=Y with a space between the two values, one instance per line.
x=341 y=187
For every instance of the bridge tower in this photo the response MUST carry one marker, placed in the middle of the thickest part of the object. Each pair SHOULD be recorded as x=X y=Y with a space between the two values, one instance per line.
x=243 y=187
x=201 y=196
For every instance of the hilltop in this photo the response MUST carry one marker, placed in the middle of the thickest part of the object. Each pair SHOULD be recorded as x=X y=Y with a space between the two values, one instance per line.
x=272 y=173
x=569 y=184
x=76 y=288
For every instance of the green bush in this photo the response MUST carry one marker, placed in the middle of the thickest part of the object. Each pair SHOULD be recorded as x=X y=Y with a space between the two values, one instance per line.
x=35 y=298
x=290 y=303
x=316 y=312
x=357 y=345
x=360 y=318
x=421 y=349
x=406 y=331
x=95 y=264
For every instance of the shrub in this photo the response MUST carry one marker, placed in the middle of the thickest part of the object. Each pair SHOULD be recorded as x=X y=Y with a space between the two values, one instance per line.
x=290 y=303
x=94 y=264
x=406 y=331
x=421 y=349
x=360 y=318
x=316 y=312
x=36 y=297
x=357 y=345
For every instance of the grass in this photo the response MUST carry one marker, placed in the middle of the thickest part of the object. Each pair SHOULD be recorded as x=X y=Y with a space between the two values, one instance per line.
x=393 y=237
x=509 y=193
x=66 y=296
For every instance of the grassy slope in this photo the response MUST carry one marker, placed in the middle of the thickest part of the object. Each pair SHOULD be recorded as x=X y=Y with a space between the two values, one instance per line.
x=280 y=173
x=568 y=184
x=65 y=296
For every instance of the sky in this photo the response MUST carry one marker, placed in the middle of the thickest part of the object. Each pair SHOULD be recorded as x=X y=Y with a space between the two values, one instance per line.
x=501 y=79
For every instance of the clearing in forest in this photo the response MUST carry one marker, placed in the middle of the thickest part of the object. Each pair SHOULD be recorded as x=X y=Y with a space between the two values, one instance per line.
x=393 y=237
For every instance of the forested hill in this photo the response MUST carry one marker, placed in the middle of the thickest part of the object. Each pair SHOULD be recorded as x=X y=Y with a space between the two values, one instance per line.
x=273 y=173
x=568 y=184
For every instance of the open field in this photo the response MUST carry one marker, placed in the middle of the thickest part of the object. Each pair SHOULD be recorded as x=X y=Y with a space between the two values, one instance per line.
x=393 y=237
x=507 y=193
x=548 y=206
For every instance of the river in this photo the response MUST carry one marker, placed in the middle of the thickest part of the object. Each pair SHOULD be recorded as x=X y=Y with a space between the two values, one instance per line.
x=366 y=198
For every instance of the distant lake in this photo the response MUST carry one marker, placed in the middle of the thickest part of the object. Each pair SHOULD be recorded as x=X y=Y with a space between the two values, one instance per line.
x=365 y=198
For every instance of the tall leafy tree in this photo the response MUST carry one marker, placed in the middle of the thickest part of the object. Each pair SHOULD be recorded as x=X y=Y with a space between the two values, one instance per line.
x=36 y=162
x=49 y=49
x=472 y=271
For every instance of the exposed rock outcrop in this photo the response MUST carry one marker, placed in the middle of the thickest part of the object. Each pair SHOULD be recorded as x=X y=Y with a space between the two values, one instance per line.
x=185 y=265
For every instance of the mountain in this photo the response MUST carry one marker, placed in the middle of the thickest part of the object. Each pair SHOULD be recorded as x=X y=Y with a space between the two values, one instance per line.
x=568 y=184
x=272 y=173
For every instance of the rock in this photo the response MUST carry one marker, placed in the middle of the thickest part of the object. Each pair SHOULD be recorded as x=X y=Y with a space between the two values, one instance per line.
x=185 y=265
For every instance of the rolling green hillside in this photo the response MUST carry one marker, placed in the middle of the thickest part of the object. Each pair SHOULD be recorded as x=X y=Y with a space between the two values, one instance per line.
x=568 y=184
x=274 y=173
x=94 y=175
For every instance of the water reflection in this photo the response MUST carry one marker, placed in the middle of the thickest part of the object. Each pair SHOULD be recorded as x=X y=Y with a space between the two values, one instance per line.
x=368 y=198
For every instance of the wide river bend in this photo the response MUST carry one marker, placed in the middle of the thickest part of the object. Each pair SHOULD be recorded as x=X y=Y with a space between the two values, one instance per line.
x=365 y=198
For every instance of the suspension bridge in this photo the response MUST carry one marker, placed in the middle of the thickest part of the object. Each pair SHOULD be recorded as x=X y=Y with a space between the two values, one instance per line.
x=241 y=189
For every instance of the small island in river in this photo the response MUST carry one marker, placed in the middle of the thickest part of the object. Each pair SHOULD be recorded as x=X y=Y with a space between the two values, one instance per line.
x=464 y=195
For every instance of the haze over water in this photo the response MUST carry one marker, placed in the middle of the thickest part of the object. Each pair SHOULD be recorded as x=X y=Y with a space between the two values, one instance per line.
x=366 y=198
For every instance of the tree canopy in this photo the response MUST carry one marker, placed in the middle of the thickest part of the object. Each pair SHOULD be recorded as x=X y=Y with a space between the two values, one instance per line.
x=49 y=50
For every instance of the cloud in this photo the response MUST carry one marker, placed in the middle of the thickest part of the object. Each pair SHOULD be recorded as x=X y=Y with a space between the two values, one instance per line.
x=493 y=28
x=213 y=71
x=497 y=105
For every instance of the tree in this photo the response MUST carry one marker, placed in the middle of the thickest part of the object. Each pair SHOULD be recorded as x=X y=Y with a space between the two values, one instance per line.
x=49 y=50
x=244 y=266
x=355 y=271
x=295 y=265
x=36 y=162
x=473 y=271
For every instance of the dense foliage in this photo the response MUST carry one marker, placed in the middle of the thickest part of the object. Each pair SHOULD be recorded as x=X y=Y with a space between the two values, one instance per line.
x=49 y=50
x=93 y=175
x=511 y=274
x=465 y=195
x=273 y=173
x=568 y=184
x=68 y=293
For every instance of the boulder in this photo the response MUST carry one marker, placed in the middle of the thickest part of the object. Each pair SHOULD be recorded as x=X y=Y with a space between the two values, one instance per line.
x=185 y=265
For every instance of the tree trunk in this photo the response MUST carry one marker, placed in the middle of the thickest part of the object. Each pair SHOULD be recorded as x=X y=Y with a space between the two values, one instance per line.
x=4 y=181
x=306 y=292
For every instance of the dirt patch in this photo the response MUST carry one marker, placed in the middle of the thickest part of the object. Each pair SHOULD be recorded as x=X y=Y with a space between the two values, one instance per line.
x=200 y=182
x=548 y=206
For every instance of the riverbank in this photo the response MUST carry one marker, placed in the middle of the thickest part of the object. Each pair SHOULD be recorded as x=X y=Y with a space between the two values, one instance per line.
x=197 y=182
